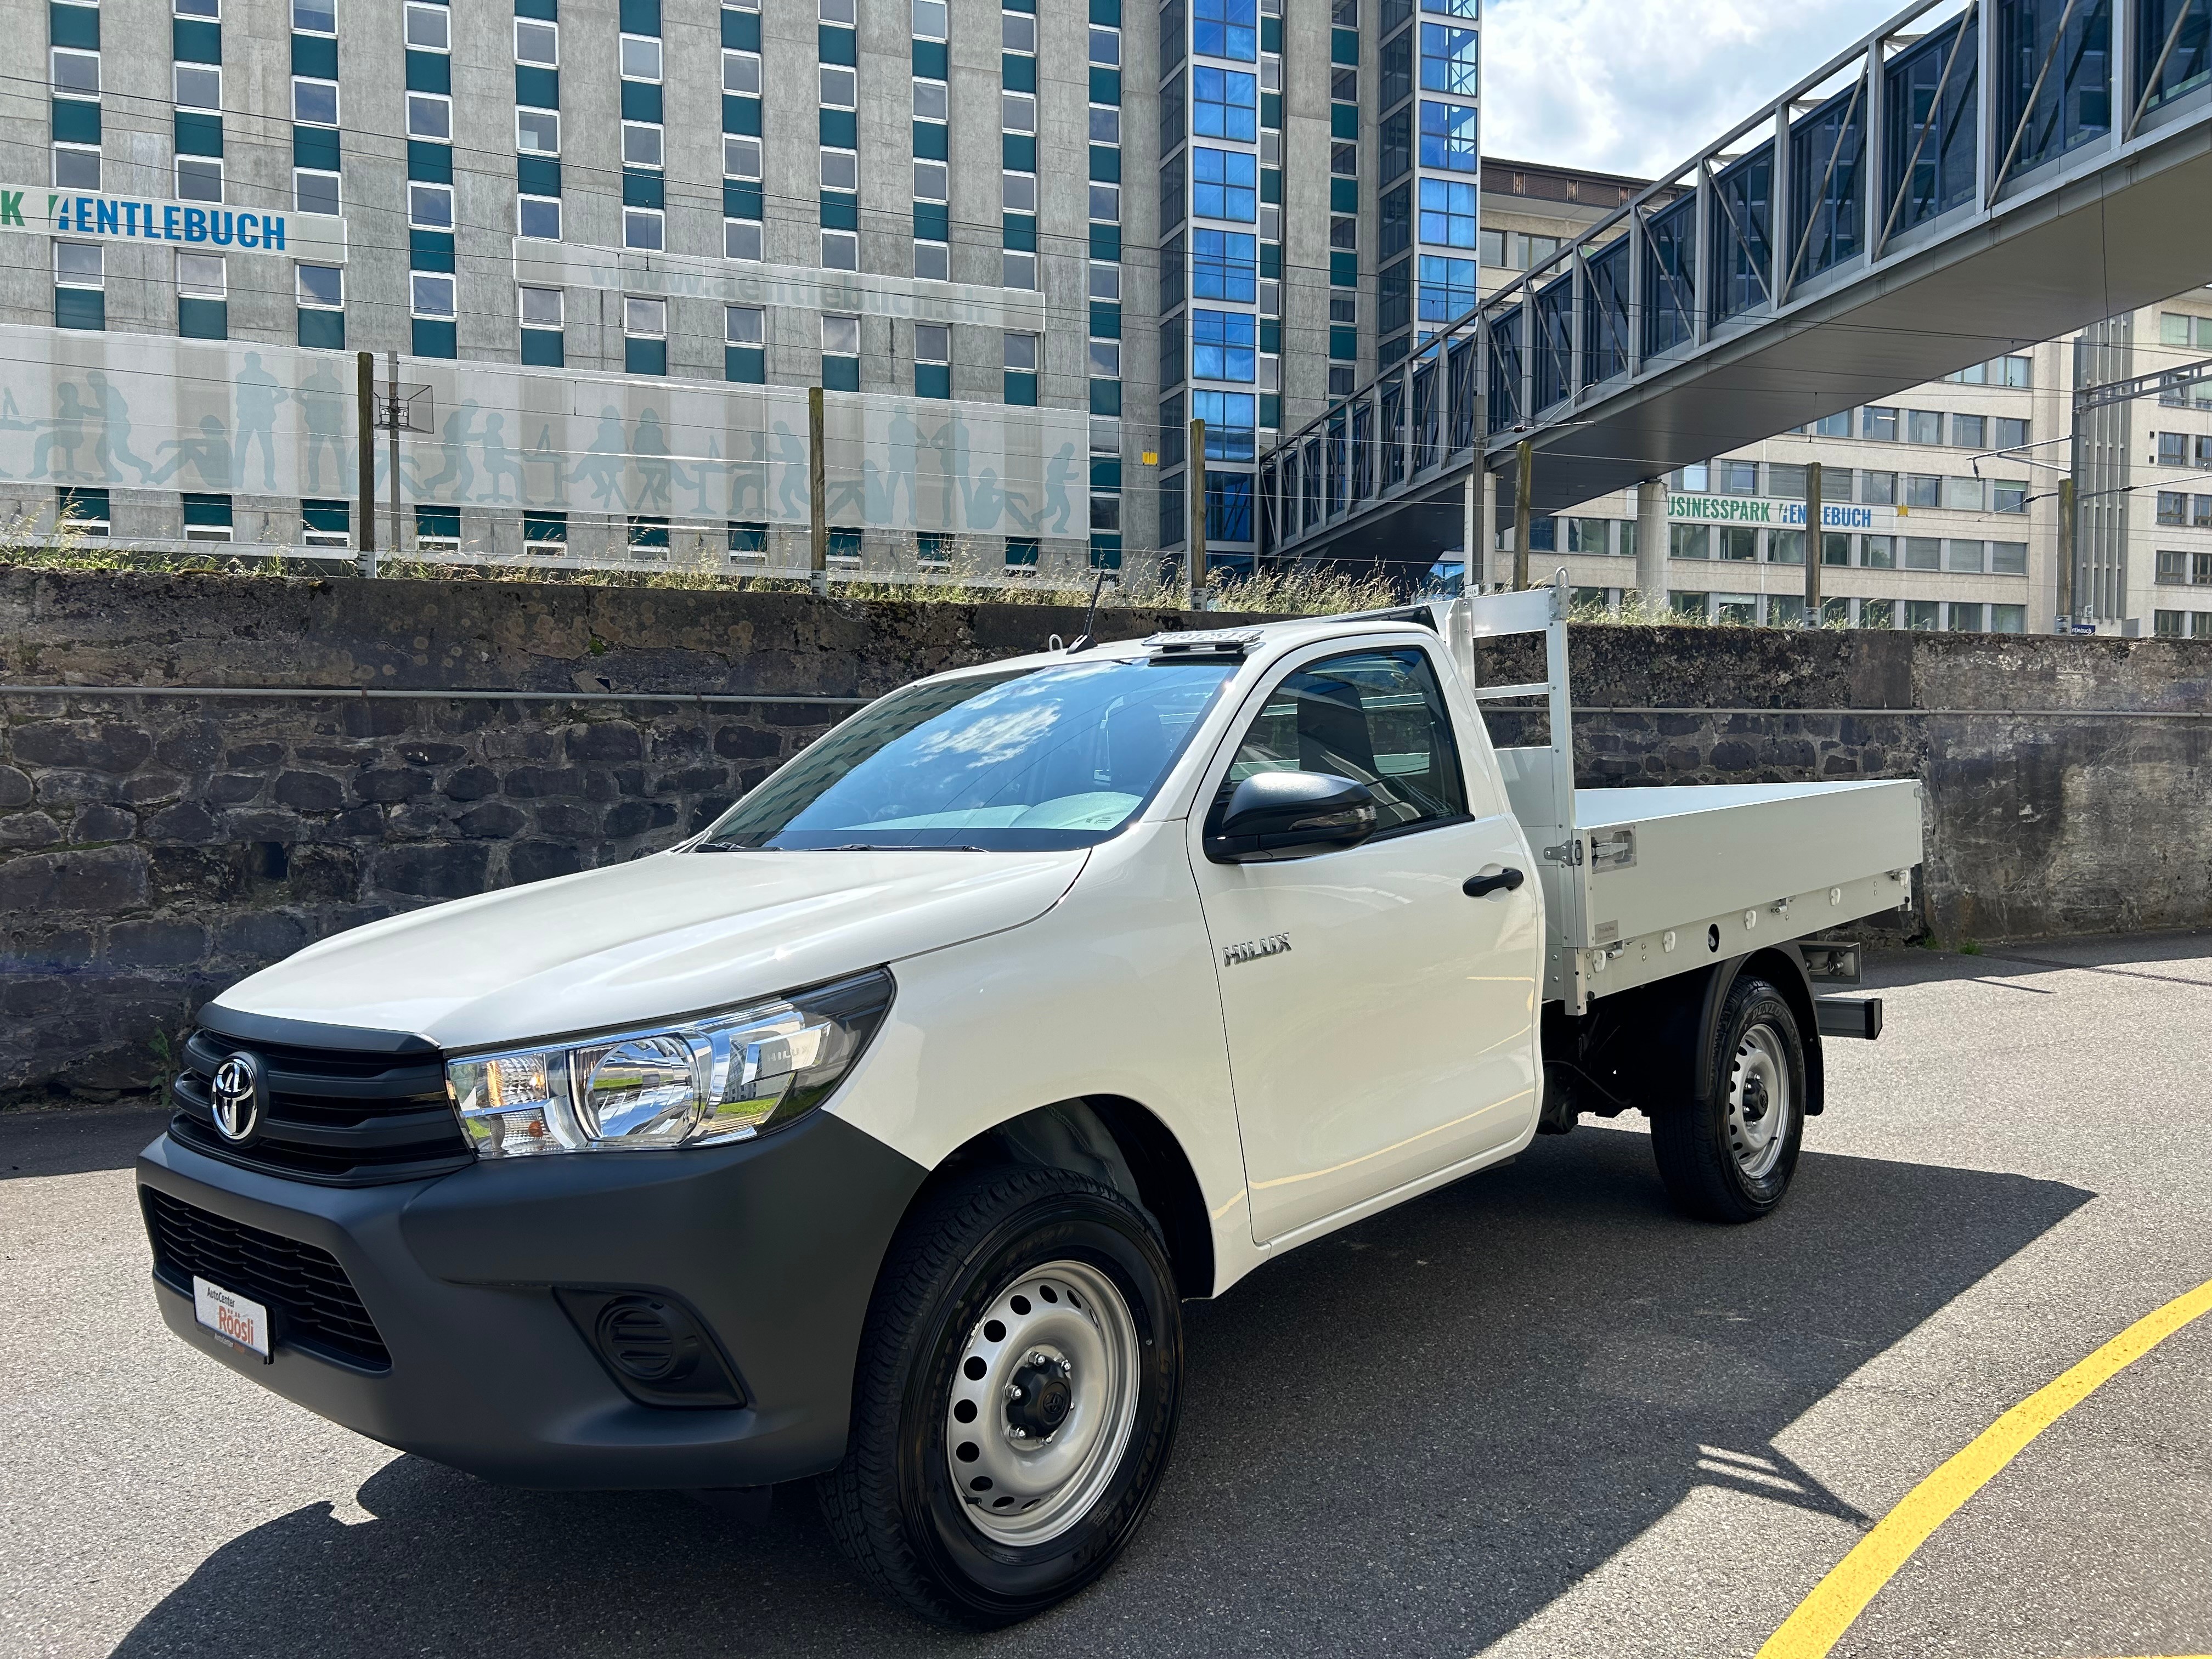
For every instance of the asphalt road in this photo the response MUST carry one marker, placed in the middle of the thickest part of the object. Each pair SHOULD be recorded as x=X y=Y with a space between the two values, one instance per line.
x=1535 y=1414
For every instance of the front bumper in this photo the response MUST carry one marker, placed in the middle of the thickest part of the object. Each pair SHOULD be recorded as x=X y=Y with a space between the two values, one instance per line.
x=774 y=1244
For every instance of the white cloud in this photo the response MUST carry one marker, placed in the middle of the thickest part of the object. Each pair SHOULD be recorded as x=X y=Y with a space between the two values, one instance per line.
x=1635 y=86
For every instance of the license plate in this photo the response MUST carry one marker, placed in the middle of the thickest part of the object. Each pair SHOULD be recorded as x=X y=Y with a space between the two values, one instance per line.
x=242 y=1323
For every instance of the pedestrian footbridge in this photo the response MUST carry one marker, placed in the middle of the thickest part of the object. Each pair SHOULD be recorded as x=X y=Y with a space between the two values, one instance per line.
x=1975 y=176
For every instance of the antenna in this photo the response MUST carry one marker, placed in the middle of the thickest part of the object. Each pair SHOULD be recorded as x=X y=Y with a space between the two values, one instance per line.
x=1084 y=642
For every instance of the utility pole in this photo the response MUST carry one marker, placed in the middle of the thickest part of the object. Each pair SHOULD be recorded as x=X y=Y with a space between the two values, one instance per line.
x=1486 y=528
x=1197 y=476
x=1524 y=483
x=365 y=460
x=1651 y=546
x=2068 y=516
x=392 y=359
x=1470 y=556
x=1813 y=548
x=818 y=496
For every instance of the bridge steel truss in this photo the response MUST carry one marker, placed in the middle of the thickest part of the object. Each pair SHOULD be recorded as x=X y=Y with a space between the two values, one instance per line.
x=1885 y=223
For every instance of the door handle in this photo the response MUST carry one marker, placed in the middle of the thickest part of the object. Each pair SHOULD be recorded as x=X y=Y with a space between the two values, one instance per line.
x=1483 y=886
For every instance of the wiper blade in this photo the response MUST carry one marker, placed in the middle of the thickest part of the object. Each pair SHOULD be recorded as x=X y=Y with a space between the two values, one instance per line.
x=889 y=847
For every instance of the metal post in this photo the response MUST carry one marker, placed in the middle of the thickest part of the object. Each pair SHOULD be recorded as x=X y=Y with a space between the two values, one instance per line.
x=1651 y=545
x=391 y=414
x=1486 y=526
x=1813 y=548
x=1470 y=555
x=818 y=496
x=365 y=460
x=1196 y=476
x=2067 y=539
x=1524 y=481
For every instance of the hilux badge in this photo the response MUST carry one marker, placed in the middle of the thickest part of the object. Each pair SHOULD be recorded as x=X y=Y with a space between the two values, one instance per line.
x=234 y=1097
x=1253 y=949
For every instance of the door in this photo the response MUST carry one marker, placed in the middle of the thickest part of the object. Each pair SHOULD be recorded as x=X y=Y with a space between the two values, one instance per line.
x=1380 y=1021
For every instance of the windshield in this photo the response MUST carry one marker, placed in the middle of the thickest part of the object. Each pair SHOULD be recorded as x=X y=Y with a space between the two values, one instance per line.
x=1049 y=758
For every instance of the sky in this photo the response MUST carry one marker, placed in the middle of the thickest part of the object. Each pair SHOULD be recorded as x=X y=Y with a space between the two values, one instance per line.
x=1636 y=86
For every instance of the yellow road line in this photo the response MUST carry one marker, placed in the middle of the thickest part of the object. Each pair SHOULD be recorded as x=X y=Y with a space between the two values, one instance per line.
x=1822 y=1617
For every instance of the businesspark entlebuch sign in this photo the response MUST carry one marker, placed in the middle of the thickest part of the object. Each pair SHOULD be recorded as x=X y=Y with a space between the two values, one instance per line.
x=313 y=236
x=1781 y=515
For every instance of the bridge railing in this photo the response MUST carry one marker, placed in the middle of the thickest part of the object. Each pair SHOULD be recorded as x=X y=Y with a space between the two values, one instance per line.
x=1949 y=113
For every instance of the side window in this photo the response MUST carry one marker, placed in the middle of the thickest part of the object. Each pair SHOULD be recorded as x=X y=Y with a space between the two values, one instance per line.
x=1377 y=717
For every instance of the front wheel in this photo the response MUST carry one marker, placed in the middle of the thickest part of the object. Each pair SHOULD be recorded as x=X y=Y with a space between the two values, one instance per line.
x=1729 y=1156
x=1015 y=1398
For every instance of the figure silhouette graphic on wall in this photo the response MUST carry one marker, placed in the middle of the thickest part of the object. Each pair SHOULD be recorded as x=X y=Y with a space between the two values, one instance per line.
x=322 y=402
x=64 y=433
x=901 y=463
x=1059 y=472
x=791 y=454
x=499 y=462
x=258 y=393
x=749 y=478
x=952 y=443
x=601 y=467
x=460 y=473
x=543 y=453
x=113 y=442
x=985 y=503
x=209 y=455
x=654 y=469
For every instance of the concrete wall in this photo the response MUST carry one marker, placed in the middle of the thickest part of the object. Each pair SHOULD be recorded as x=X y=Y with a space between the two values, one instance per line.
x=241 y=766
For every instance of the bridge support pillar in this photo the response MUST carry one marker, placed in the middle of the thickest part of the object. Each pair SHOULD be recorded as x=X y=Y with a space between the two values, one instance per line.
x=1651 y=545
x=1481 y=560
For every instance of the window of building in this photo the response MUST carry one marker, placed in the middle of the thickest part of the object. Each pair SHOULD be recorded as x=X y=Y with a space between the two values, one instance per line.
x=198 y=86
x=741 y=73
x=1226 y=28
x=1017 y=192
x=207 y=518
x=1225 y=264
x=744 y=326
x=2008 y=558
x=1225 y=346
x=1447 y=213
x=1105 y=124
x=320 y=288
x=79 y=264
x=836 y=11
x=1969 y=432
x=1105 y=280
x=1224 y=104
x=840 y=250
x=538 y=131
x=2019 y=371
x=430 y=294
x=932 y=261
x=1228 y=423
x=841 y=169
x=542 y=307
x=933 y=343
x=1966 y=495
x=538 y=218
x=1735 y=478
x=640 y=57
x=1449 y=60
x=1448 y=137
x=931 y=181
x=1224 y=185
x=1017 y=32
x=2008 y=495
x=1020 y=352
x=314 y=103
x=643 y=144
x=840 y=87
x=644 y=319
x=929 y=19
x=931 y=101
x=1105 y=359
x=429 y=207
x=324 y=524
x=2008 y=433
x=430 y=115
x=538 y=41
x=1877 y=488
x=1018 y=269
x=645 y=229
x=314 y=192
x=76 y=166
x=200 y=275
x=1923 y=489
x=1106 y=48
x=1017 y=112
x=75 y=74
x=1878 y=552
x=1448 y=288
x=1878 y=424
x=1923 y=553
x=314 y=16
x=1963 y=558
x=429 y=28
x=199 y=178
x=1923 y=426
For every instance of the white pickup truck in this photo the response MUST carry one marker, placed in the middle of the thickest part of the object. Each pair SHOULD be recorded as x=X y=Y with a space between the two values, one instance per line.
x=876 y=1133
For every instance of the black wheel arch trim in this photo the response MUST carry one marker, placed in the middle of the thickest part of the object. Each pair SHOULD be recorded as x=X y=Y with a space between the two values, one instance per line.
x=1783 y=966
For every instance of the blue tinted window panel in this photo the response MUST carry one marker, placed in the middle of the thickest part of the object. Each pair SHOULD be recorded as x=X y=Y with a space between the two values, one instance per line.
x=741 y=30
x=841 y=374
x=315 y=56
x=1742 y=234
x=1449 y=138
x=193 y=41
x=544 y=348
x=929 y=136
x=1226 y=28
x=77 y=121
x=1670 y=277
x=434 y=339
x=1224 y=104
x=1605 y=314
x=746 y=365
x=1828 y=202
x=429 y=71
x=2054 y=69
x=322 y=331
x=1224 y=184
x=1934 y=97
x=1448 y=61
x=202 y=319
x=1505 y=370
x=2174 y=49
x=316 y=147
x=540 y=88
x=932 y=380
x=641 y=102
x=74 y=26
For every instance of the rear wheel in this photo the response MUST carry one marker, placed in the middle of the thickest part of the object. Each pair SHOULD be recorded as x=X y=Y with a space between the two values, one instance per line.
x=1016 y=1398
x=1729 y=1157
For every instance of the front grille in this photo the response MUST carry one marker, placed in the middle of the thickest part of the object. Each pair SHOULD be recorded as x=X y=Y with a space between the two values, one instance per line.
x=345 y=1117
x=311 y=1304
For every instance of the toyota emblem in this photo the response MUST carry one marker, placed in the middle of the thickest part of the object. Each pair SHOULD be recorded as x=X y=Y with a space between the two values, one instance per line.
x=236 y=1096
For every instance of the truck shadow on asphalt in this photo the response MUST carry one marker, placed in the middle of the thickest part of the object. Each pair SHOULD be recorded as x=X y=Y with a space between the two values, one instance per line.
x=1411 y=1438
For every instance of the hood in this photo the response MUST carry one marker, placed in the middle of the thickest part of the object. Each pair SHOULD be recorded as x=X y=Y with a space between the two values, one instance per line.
x=674 y=934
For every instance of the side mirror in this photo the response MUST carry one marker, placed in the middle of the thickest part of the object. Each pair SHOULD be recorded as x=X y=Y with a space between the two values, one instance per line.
x=1288 y=814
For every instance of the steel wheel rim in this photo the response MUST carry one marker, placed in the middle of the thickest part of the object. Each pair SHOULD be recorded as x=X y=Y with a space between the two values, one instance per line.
x=1761 y=1105
x=1066 y=1322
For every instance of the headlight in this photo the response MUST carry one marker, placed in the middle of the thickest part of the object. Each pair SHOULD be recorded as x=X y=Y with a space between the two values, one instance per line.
x=699 y=1082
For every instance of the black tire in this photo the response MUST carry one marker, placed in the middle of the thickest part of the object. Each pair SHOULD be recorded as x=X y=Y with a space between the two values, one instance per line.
x=892 y=1505
x=1696 y=1142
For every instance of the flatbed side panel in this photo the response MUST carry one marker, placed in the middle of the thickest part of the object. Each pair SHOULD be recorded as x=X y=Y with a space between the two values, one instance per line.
x=1744 y=852
x=1641 y=959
